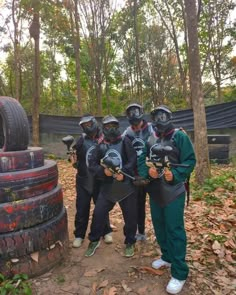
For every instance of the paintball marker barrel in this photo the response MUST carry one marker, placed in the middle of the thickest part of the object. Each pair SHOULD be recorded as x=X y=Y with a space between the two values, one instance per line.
x=114 y=165
x=162 y=153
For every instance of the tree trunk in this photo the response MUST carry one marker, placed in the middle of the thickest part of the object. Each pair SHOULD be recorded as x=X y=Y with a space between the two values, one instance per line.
x=76 y=41
x=173 y=35
x=200 y=129
x=218 y=86
x=34 y=33
x=137 y=50
x=99 y=95
x=16 y=51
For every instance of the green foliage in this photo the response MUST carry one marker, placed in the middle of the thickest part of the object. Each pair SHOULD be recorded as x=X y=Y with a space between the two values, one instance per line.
x=219 y=238
x=208 y=191
x=115 y=45
x=60 y=279
x=17 y=285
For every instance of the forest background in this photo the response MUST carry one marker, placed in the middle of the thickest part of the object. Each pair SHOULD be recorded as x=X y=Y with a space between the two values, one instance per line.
x=71 y=57
x=129 y=51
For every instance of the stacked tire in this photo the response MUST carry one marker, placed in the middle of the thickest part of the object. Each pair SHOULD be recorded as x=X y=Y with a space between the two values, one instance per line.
x=33 y=219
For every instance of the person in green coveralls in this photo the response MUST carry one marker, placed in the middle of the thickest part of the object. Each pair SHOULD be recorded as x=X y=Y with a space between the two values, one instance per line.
x=167 y=193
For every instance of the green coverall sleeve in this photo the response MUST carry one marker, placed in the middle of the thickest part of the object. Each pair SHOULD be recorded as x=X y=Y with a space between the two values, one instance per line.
x=186 y=156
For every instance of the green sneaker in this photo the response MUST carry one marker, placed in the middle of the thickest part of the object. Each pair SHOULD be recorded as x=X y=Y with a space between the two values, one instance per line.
x=129 y=250
x=92 y=248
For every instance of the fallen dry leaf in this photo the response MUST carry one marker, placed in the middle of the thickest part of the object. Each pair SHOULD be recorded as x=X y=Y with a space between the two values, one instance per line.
x=94 y=288
x=148 y=254
x=103 y=284
x=112 y=291
x=142 y=291
x=151 y=270
x=125 y=287
x=91 y=273
x=35 y=256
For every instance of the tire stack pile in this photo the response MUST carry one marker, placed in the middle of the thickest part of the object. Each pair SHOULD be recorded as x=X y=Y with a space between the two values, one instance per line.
x=33 y=219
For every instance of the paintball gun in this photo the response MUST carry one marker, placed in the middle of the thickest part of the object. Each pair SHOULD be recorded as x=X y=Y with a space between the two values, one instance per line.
x=68 y=141
x=160 y=159
x=113 y=164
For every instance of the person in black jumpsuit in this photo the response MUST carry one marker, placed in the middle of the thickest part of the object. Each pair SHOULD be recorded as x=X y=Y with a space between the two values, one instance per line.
x=138 y=132
x=87 y=187
x=115 y=187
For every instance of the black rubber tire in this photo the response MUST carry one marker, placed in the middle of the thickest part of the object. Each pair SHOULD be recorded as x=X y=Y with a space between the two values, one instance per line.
x=14 y=125
x=219 y=139
x=34 y=239
x=30 y=212
x=31 y=158
x=22 y=185
x=47 y=259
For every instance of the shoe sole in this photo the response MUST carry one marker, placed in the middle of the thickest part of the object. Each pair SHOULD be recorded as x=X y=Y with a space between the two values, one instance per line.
x=163 y=266
x=86 y=255
x=108 y=242
x=129 y=255
x=75 y=246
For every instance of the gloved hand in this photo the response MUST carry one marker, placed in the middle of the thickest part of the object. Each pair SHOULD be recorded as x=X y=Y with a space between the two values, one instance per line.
x=119 y=176
x=168 y=175
x=140 y=181
x=153 y=172
x=73 y=160
x=107 y=172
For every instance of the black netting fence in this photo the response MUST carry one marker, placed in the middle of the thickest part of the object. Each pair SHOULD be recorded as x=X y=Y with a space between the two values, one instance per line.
x=221 y=119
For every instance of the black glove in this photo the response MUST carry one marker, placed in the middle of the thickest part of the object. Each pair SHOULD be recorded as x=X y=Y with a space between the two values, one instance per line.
x=140 y=181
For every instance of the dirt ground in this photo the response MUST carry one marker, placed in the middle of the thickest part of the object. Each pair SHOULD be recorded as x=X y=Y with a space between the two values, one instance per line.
x=107 y=272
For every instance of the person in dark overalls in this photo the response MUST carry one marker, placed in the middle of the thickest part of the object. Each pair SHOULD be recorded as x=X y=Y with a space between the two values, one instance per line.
x=138 y=132
x=167 y=192
x=87 y=187
x=115 y=186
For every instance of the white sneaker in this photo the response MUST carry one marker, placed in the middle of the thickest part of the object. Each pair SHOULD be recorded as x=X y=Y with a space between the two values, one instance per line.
x=108 y=238
x=160 y=263
x=77 y=242
x=174 y=286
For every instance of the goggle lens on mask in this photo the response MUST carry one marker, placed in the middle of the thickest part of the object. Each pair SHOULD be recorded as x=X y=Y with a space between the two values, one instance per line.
x=87 y=124
x=134 y=112
x=110 y=126
x=161 y=117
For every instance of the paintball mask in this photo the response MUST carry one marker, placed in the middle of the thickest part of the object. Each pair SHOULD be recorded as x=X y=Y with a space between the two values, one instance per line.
x=134 y=113
x=89 y=124
x=161 y=118
x=110 y=127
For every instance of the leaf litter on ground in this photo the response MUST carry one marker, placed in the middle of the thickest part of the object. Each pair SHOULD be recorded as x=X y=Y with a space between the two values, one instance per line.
x=210 y=221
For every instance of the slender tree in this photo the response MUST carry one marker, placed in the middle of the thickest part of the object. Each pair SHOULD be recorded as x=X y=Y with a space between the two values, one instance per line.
x=173 y=19
x=200 y=128
x=34 y=30
x=72 y=6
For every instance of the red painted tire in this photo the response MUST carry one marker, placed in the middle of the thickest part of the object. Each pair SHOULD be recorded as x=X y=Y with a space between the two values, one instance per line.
x=21 y=185
x=14 y=125
x=31 y=158
x=37 y=238
x=30 y=212
x=46 y=260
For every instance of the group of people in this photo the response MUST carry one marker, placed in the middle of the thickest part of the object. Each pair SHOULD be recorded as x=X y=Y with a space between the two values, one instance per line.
x=113 y=167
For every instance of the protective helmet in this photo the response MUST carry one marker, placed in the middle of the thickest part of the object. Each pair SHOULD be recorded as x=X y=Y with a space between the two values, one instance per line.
x=89 y=130
x=134 y=113
x=161 y=118
x=110 y=127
